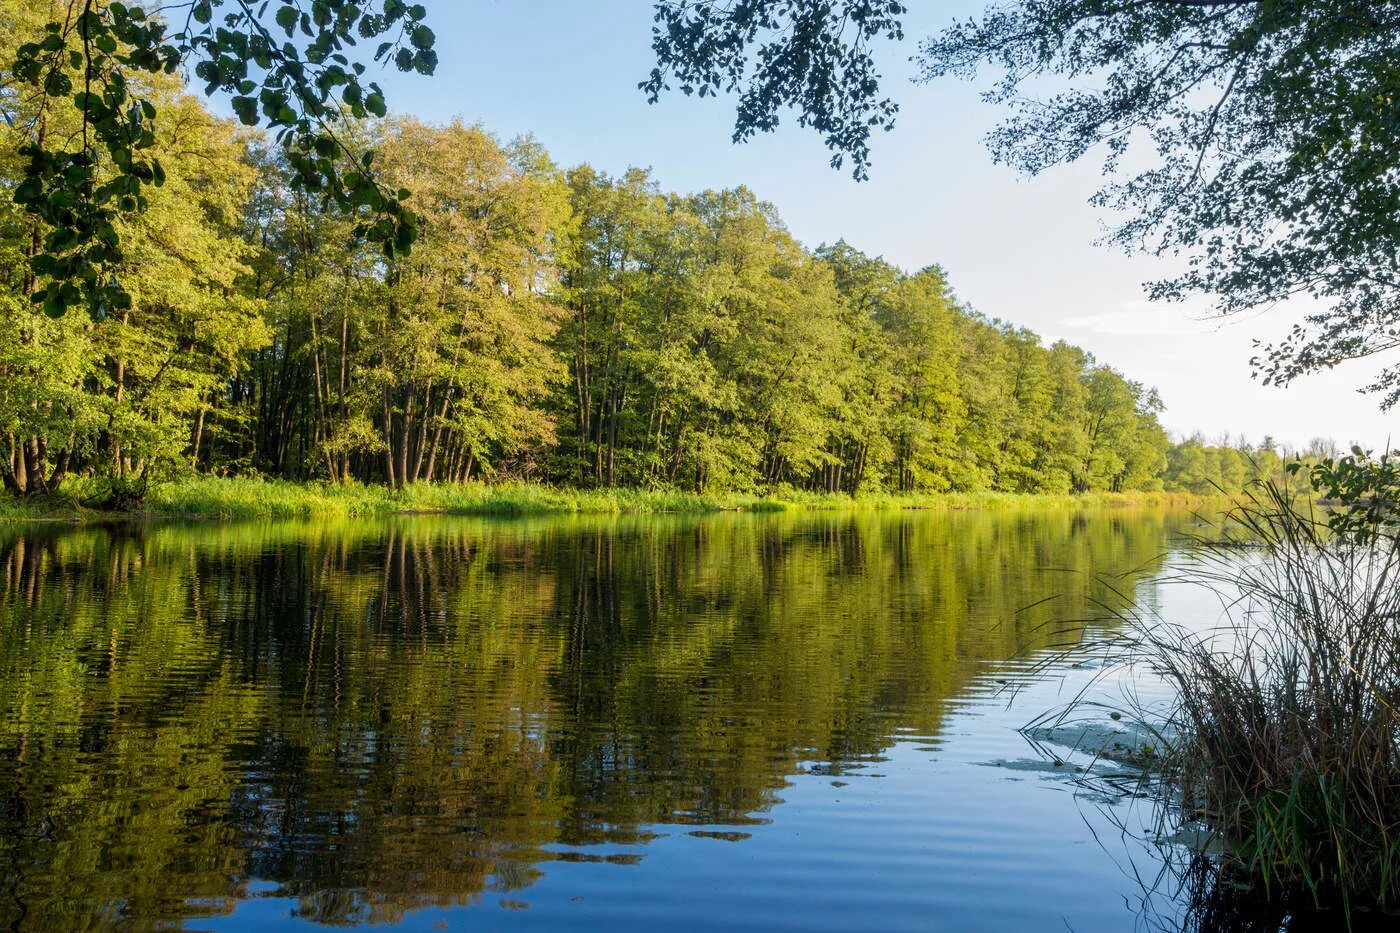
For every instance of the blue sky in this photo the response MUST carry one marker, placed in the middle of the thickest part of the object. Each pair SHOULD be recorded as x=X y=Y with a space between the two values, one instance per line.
x=1022 y=250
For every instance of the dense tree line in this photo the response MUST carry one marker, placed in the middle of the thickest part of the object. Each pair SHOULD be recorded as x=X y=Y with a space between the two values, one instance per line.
x=548 y=324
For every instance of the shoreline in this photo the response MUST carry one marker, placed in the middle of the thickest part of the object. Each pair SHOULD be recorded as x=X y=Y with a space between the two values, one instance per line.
x=222 y=499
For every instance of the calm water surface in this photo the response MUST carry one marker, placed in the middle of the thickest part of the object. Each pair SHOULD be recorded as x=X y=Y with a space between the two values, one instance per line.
x=731 y=721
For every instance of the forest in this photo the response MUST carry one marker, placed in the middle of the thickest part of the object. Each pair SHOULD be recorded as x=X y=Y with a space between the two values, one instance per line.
x=550 y=324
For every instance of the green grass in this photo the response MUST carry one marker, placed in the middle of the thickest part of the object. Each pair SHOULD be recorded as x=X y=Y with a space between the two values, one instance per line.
x=225 y=498
x=47 y=508
x=230 y=498
x=252 y=498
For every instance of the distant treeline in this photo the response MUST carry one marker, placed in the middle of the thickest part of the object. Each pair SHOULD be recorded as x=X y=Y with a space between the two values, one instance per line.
x=554 y=325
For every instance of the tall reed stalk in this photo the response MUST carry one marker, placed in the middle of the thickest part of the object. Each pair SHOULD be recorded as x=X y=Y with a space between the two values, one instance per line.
x=1286 y=732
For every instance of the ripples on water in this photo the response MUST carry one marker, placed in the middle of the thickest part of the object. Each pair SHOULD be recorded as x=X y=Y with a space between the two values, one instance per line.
x=733 y=721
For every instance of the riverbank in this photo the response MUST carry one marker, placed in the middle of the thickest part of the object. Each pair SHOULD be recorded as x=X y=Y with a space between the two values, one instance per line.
x=223 y=498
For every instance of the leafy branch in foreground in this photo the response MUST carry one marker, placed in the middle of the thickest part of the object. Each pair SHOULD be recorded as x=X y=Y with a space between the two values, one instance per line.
x=283 y=64
x=1276 y=170
x=1360 y=492
x=813 y=56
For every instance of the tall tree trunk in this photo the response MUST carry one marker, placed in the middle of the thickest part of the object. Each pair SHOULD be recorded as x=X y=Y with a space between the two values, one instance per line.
x=198 y=437
x=120 y=380
x=676 y=447
x=34 y=456
x=388 y=414
x=405 y=433
x=421 y=443
x=613 y=415
x=17 y=475
x=438 y=433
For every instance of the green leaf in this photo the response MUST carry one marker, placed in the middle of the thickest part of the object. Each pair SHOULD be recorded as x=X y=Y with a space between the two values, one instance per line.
x=57 y=84
x=28 y=191
x=247 y=110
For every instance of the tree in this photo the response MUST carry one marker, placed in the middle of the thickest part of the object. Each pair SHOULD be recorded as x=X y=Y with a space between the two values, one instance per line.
x=1042 y=441
x=1277 y=148
x=91 y=63
x=163 y=360
x=864 y=366
x=1110 y=421
x=627 y=330
x=1190 y=468
x=427 y=365
x=927 y=408
x=131 y=389
x=1145 y=457
x=459 y=355
x=814 y=56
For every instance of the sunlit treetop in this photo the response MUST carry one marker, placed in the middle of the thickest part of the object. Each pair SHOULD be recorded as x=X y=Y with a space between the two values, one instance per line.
x=287 y=66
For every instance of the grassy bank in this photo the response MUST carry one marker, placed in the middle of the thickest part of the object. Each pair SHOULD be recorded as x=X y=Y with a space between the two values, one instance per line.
x=213 y=497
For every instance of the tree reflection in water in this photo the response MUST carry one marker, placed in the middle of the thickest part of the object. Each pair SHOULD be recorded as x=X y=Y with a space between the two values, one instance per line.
x=375 y=717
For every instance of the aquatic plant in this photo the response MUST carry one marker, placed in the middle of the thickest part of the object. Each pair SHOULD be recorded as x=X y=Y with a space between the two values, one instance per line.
x=1285 y=717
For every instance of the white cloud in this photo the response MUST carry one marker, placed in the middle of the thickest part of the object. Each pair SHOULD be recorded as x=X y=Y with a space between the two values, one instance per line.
x=1146 y=319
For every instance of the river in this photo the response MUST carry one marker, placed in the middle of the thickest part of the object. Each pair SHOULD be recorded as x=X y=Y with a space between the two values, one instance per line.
x=732 y=721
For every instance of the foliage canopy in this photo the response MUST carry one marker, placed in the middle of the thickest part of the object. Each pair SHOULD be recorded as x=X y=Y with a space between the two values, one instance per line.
x=1272 y=128
x=549 y=325
x=815 y=57
x=80 y=90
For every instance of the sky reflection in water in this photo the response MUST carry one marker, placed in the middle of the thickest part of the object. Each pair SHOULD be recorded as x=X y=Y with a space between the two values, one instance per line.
x=729 y=721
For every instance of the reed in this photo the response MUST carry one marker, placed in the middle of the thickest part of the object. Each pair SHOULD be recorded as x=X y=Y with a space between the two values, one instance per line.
x=1284 y=721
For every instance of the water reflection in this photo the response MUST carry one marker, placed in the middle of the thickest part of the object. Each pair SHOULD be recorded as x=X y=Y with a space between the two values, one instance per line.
x=370 y=718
